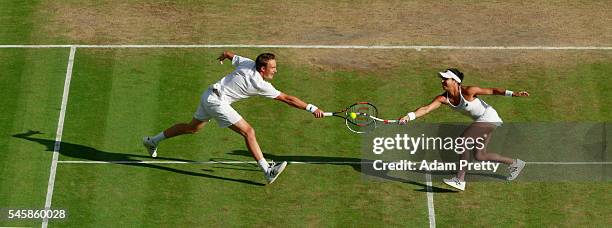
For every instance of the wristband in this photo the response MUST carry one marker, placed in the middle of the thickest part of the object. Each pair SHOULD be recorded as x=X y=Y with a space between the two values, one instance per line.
x=411 y=116
x=311 y=108
x=509 y=93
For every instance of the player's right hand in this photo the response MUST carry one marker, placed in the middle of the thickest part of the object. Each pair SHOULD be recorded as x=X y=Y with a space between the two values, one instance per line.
x=318 y=113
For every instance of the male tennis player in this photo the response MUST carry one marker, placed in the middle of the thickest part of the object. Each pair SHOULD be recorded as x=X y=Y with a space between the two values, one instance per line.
x=465 y=100
x=248 y=79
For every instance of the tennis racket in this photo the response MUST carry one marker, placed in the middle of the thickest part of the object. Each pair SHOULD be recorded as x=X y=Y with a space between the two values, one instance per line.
x=360 y=117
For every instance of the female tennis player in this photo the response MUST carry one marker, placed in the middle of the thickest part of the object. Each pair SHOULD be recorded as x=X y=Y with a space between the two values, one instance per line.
x=465 y=99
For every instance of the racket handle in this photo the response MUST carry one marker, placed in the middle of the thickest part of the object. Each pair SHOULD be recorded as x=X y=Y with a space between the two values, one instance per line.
x=391 y=121
x=328 y=114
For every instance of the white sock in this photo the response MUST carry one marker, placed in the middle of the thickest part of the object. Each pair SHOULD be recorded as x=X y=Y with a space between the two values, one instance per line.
x=263 y=164
x=159 y=137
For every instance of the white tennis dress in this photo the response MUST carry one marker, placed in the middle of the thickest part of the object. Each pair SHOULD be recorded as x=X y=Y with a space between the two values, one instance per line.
x=477 y=109
x=242 y=83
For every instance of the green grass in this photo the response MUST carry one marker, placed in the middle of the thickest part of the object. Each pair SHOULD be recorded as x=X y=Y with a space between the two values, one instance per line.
x=119 y=95
x=526 y=204
x=16 y=21
x=32 y=84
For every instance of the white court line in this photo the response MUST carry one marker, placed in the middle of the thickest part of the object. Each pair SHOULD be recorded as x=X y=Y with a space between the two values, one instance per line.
x=37 y=46
x=414 y=47
x=568 y=163
x=203 y=162
x=290 y=162
x=58 y=134
x=430 y=203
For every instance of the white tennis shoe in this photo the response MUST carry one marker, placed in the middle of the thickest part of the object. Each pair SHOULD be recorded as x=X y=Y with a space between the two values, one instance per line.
x=515 y=169
x=455 y=183
x=151 y=147
x=274 y=171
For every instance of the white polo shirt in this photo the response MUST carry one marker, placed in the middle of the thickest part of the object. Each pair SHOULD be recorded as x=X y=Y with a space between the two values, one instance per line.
x=244 y=82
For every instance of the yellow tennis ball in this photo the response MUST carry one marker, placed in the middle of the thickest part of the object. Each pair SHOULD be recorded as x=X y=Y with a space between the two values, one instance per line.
x=353 y=115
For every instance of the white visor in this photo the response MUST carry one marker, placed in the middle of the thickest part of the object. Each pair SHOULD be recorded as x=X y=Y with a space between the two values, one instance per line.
x=450 y=74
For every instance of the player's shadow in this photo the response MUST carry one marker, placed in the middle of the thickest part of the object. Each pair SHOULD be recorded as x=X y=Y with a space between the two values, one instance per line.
x=355 y=163
x=92 y=154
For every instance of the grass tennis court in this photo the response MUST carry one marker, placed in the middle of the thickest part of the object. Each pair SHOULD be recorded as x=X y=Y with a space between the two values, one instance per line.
x=118 y=95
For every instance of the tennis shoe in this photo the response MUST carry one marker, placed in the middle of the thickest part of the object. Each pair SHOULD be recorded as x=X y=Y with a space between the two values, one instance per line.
x=274 y=171
x=515 y=169
x=150 y=145
x=455 y=183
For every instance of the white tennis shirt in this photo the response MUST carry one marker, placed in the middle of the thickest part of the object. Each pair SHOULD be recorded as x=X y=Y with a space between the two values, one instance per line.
x=244 y=82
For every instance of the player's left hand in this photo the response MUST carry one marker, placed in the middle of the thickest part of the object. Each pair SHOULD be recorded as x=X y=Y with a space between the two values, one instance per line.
x=318 y=113
x=404 y=120
x=221 y=58
x=224 y=55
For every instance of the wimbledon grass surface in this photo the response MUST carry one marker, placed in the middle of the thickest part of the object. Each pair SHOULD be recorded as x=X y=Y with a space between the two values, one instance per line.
x=17 y=21
x=32 y=83
x=564 y=23
x=120 y=95
x=526 y=204
x=224 y=195
x=117 y=96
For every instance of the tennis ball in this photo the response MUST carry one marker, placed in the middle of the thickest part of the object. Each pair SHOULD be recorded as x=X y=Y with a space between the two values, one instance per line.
x=353 y=115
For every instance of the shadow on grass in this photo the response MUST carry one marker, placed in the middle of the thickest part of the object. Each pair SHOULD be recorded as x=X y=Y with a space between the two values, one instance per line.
x=93 y=154
x=344 y=161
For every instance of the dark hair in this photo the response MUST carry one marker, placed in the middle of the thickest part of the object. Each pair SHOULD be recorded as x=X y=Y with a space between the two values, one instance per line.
x=262 y=60
x=456 y=72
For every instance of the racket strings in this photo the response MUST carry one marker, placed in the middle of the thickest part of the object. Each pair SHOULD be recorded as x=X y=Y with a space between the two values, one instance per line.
x=362 y=121
x=363 y=111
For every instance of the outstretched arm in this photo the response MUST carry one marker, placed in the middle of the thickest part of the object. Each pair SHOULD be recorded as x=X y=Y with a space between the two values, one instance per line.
x=439 y=100
x=297 y=103
x=475 y=90
x=226 y=55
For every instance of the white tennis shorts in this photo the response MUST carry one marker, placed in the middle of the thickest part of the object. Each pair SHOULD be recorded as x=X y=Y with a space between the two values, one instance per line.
x=211 y=107
x=490 y=116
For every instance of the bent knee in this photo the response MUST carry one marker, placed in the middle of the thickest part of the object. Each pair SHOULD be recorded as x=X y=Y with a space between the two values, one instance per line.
x=249 y=132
